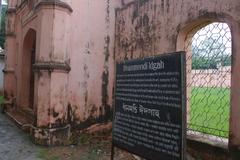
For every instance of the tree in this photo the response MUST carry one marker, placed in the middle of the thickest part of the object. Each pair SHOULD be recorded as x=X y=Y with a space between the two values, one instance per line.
x=2 y=25
x=209 y=53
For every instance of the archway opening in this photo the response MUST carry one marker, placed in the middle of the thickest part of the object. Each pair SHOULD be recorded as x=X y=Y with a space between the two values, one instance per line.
x=209 y=52
x=28 y=59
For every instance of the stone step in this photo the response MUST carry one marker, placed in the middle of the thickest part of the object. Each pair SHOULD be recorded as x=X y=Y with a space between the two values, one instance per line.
x=23 y=119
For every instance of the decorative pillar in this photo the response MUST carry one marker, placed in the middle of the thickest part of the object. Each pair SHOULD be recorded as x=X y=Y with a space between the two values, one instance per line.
x=51 y=74
x=10 y=61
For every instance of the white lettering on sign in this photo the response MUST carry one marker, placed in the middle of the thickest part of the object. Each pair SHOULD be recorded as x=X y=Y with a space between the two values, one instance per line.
x=141 y=109
x=146 y=66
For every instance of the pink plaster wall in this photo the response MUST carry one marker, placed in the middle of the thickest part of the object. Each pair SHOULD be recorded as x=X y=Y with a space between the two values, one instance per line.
x=83 y=39
x=91 y=59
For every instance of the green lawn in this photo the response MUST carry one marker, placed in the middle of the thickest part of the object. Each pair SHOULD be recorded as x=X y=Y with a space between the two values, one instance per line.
x=209 y=111
x=1 y=102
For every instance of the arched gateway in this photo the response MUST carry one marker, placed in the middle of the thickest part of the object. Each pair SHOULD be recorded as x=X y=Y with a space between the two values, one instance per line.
x=27 y=79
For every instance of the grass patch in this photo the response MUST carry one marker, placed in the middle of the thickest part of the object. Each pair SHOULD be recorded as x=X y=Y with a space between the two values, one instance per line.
x=2 y=99
x=84 y=138
x=96 y=151
x=1 y=102
x=91 y=155
x=44 y=154
x=209 y=112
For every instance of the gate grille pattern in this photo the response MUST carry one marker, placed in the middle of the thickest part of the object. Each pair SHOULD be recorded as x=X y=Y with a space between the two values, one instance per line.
x=209 y=80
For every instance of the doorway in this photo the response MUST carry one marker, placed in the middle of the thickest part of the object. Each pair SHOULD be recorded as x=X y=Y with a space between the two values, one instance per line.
x=27 y=73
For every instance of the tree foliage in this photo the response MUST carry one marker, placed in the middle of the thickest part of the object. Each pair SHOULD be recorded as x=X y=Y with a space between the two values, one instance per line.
x=209 y=54
x=2 y=25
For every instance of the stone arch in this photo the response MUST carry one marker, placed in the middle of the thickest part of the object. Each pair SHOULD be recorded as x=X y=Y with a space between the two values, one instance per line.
x=27 y=75
x=190 y=28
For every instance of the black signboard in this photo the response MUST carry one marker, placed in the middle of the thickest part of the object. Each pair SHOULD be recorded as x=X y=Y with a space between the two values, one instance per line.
x=150 y=107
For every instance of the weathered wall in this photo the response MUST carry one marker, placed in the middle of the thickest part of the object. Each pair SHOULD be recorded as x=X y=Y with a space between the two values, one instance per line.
x=77 y=42
x=73 y=68
x=152 y=27
x=44 y=26
x=92 y=61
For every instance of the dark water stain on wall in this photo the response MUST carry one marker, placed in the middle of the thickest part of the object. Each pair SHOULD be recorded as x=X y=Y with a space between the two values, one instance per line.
x=130 y=41
x=87 y=48
x=104 y=108
x=135 y=13
x=145 y=20
x=85 y=84
x=91 y=120
x=77 y=124
x=162 y=5
x=55 y=114
x=107 y=17
x=142 y=2
x=167 y=5
x=140 y=40
x=71 y=116
x=105 y=79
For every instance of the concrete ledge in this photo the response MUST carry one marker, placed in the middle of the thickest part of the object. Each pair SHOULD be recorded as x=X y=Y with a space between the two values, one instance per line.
x=235 y=152
x=205 y=147
x=53 y=3
x=204 y=151
x=51 y=66
x=212 y=140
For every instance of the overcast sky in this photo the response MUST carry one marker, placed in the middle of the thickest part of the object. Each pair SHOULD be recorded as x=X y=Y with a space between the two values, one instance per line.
x=218 y=31
x=4 y=1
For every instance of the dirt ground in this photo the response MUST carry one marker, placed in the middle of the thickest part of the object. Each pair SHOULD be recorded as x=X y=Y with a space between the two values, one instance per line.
x=16 y=145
